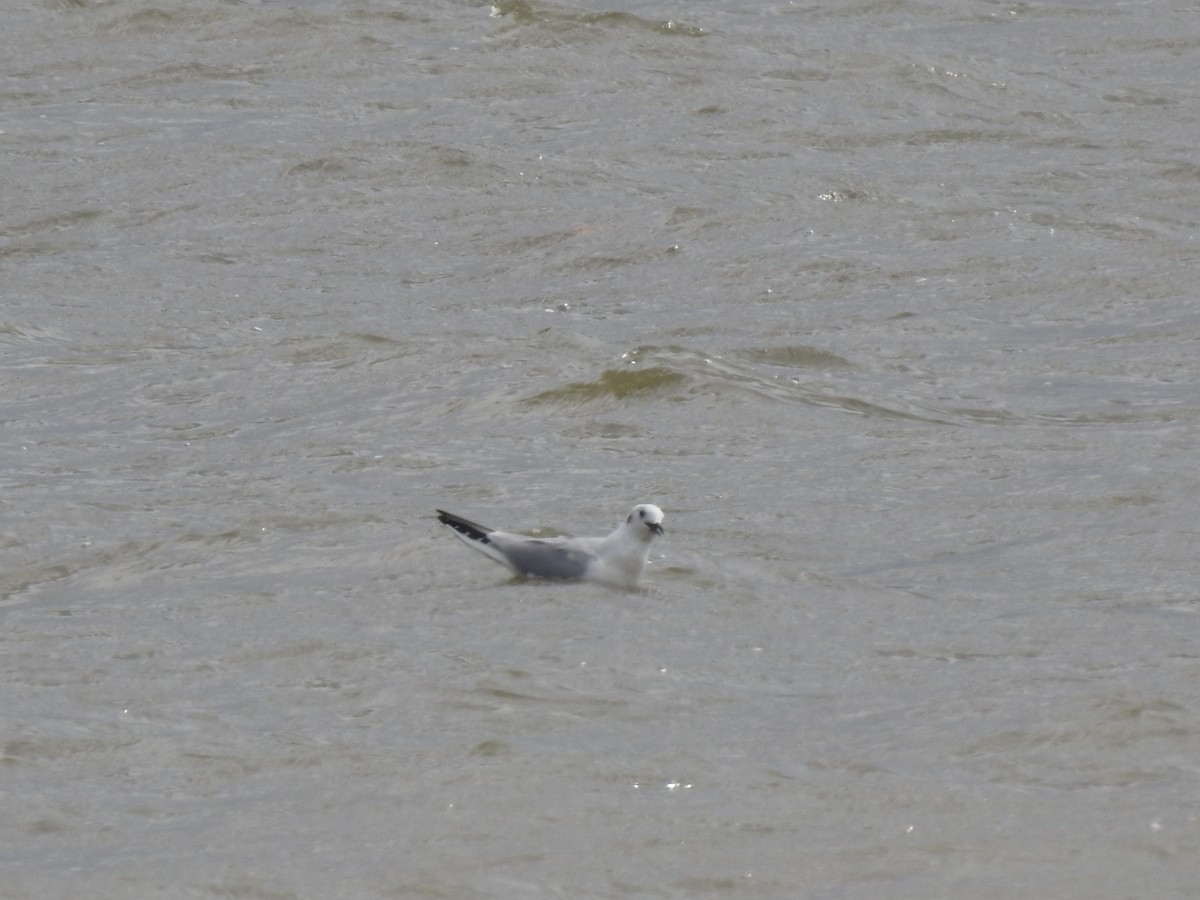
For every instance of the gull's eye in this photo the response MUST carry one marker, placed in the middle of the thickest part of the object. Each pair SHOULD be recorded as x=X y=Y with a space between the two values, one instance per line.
x=641 y=514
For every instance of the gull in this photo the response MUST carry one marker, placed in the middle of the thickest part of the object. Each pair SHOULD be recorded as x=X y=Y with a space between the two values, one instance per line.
x=614 y=560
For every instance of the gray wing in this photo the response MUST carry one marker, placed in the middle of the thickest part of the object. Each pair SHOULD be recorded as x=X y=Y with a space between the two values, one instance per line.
x=545 y=559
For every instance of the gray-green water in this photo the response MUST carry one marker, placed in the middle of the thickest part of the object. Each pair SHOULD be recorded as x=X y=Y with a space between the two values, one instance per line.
x=889 y=305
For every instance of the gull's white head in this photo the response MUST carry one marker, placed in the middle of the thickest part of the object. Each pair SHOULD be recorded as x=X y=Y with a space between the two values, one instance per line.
x=645 y=520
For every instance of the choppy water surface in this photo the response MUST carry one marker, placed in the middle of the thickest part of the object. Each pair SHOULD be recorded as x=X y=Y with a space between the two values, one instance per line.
x=889 y=305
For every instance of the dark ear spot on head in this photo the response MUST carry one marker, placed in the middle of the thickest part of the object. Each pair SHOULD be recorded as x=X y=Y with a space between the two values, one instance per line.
x=629 y=519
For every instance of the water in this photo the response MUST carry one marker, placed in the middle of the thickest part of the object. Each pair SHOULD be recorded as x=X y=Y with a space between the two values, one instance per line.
x=890 y=306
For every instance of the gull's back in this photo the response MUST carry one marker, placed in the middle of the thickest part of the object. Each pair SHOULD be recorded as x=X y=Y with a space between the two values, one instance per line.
x=545 y=557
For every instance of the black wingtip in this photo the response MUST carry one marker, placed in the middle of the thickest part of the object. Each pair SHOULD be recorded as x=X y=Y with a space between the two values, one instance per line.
x=466 y=527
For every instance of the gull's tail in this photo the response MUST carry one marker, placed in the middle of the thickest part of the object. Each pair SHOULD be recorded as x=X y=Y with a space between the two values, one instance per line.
x=475 y=535
x=465 y=527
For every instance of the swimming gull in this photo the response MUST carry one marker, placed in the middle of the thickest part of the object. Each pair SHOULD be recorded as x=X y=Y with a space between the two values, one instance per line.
x=615 y=560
